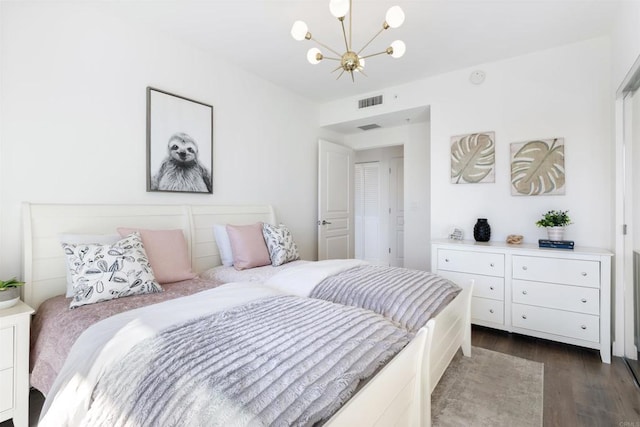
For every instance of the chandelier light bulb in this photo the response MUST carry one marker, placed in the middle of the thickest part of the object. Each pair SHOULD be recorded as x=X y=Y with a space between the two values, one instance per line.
x=299 y=30
x=339 y=8
x=394 y=17
x=314 y=56
x=399 y=48
x=361 y=61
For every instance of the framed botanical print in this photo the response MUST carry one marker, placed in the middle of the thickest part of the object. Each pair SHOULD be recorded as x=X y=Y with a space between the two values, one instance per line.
x=473 y=158
x=537 y=167
x=179 y=143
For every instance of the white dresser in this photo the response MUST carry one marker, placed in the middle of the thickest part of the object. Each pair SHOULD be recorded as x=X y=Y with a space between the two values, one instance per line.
x=561 y=295
x=14 y=363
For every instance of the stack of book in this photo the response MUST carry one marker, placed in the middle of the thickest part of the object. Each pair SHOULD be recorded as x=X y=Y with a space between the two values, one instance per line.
x=555 y=244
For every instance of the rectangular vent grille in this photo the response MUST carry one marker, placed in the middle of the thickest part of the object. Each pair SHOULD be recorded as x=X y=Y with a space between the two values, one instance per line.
x=369 y=127
x=370 y=102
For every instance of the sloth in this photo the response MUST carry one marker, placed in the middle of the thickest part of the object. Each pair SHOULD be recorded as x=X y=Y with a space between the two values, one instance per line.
x=181 y=170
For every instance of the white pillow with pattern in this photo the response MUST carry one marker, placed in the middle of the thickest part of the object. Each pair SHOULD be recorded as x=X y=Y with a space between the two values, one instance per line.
x=105 y=272
x=282 y=248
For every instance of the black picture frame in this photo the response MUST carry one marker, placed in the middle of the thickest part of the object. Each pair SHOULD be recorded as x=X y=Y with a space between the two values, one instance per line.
x=179 y=143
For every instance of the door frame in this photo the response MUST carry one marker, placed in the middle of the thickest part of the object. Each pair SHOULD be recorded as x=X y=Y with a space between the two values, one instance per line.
x=623 y=344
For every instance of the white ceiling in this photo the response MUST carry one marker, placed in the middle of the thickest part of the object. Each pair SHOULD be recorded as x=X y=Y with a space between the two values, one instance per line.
x=441 y=36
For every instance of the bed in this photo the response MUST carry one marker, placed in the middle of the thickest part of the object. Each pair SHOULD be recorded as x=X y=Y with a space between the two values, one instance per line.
x=399 y=392
x=407 y=297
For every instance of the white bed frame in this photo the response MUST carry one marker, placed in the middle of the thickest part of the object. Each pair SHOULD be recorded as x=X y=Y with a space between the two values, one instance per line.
x=398 y=395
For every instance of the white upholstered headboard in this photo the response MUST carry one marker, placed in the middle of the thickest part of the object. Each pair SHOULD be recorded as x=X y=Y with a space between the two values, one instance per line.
x=43 y=259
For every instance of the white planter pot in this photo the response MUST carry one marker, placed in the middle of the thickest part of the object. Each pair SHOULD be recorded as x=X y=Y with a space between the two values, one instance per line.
x=555 y=233
x=9 y=297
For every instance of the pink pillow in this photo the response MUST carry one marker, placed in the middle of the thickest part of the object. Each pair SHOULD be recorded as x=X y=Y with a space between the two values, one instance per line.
x=167 y=253
x=248 y=246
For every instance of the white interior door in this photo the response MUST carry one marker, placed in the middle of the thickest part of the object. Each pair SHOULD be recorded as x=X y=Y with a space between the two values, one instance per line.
x=396 y=212
x=335 y=201
x=367 y=212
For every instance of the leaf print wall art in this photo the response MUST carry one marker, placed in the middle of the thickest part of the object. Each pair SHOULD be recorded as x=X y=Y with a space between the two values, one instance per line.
x=537 y=167
x=473 y=158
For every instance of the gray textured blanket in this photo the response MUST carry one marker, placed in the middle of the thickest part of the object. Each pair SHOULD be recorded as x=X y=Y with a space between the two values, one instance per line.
x=408 y=297
x=279 y=361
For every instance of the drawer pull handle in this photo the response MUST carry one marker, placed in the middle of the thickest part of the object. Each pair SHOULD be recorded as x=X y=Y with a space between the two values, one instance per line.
x=584 y=273
x=524 y=267
x=491 y=265
x=583 y=326
x=446 y=260
x=491 y=310
x=524 y=292
x=524 y=316
x=583 y=300
x=491 y=287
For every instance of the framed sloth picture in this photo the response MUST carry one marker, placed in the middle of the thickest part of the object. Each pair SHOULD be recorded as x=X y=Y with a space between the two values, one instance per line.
x=179 y=143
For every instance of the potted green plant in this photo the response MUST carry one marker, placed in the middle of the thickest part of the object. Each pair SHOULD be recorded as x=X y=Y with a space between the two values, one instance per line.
x=9 y=292
x=555 y=223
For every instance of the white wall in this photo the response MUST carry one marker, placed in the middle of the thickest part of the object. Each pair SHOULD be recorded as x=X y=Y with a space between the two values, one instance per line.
x=73 y=81
x=561 y=92
x=625 y=37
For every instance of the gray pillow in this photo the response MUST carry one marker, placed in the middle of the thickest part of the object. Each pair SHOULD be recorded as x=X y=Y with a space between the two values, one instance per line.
x=282 y=248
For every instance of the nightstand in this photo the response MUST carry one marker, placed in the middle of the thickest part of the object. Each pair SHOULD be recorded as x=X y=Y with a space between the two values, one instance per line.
x=14 y=363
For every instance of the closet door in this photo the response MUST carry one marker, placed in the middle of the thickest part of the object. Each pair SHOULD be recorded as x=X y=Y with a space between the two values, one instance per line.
x=367 y=211
x=396 y=212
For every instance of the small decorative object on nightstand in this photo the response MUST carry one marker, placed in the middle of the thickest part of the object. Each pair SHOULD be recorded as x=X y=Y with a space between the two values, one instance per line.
x=14 y=363
x=9 y=292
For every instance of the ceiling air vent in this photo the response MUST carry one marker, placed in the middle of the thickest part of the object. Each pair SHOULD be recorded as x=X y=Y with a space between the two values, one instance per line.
x=370 y=102
x=369 y=127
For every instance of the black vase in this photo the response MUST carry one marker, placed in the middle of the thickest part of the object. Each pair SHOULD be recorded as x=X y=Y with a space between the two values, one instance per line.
x=482 y=230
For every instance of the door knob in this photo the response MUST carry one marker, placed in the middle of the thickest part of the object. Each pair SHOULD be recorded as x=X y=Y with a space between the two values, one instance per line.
x=324 y=222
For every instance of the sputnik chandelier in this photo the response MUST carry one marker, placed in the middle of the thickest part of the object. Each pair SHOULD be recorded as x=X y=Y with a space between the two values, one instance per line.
x=351 y=60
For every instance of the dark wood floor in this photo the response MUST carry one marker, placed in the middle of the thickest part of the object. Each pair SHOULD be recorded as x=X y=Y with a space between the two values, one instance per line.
x=579 y=390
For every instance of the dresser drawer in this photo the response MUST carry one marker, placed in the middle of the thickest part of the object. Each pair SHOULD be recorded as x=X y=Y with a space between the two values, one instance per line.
x=564 y=323
x=563 y=297
x=489 y=264
x=6 y=348
x=6 y=389
x=483 y=286
x=487 y=310
x=557 y=270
